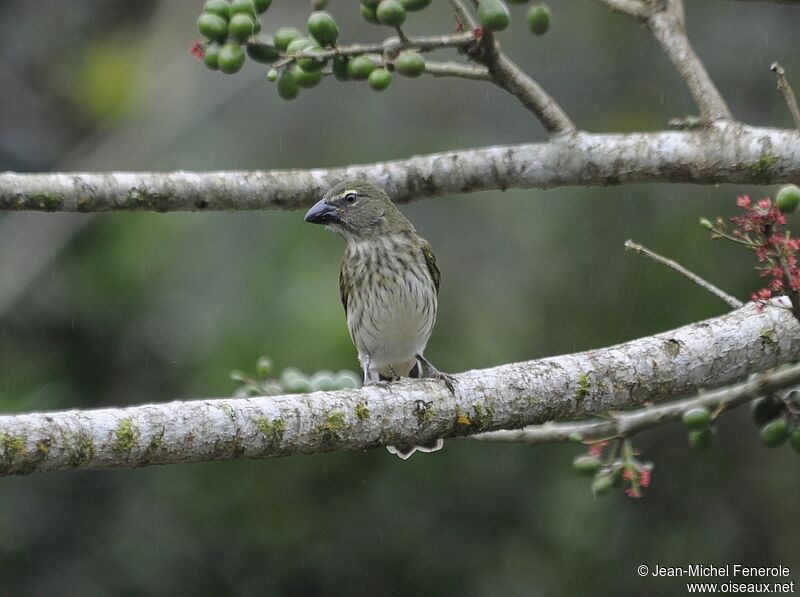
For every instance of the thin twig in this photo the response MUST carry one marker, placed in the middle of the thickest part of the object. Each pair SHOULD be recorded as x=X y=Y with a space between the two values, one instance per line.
x=629 y=423
x=787 y=92
x=463 y=14
x=454 y=69
x=391 y=46
x=632 y=8
x=733 y=302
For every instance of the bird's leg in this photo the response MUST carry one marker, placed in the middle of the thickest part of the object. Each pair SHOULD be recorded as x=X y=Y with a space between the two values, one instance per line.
x=365 y=367
x=448 y=379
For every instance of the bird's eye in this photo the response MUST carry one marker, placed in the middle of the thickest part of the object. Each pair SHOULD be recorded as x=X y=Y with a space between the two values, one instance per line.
x=350 y=197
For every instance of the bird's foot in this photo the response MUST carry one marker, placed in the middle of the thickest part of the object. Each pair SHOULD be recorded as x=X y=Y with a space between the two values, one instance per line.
x=433 y=372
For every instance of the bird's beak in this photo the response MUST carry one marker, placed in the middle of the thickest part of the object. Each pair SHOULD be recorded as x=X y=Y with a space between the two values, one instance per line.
x=322 y=213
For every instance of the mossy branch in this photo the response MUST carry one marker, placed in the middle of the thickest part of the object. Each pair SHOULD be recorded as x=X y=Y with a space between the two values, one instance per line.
x=721 y=153
x=656 y=368
x=627 y=424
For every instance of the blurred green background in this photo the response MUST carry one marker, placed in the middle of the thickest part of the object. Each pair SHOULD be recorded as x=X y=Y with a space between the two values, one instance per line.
x=120 y=309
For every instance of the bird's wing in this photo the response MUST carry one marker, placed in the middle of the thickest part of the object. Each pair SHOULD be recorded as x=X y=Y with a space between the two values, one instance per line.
x=344 y=287
x=430 y=261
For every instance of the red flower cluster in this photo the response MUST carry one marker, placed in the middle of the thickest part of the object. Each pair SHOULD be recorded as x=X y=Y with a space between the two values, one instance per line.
x=637 y=479
x=197 y=50
x=596 y=449
x=762 y=229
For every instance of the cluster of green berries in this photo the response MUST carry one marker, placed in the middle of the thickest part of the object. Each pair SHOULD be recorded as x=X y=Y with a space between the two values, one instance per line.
x=495 y=15
x=701 y=430
x=623 y=471
x=291 y=381
x=776 y=416
x=227 y=26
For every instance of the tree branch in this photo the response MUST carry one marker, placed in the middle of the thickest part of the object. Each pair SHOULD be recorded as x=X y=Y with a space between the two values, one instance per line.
x=668 y=28
x=627 y=424
x=720 y=153
x=507 y=75
x=682 y=361
x=665 y=19
x=390 y=47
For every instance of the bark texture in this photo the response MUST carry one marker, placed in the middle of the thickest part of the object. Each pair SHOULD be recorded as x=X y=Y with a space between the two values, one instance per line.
x=722 y=152
x=680 y=362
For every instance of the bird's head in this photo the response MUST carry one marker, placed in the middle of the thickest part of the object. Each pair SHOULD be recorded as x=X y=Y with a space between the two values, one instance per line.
x=358 y=209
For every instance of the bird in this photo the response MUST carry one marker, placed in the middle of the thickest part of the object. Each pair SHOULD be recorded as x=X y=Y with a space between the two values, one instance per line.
x=388 y=283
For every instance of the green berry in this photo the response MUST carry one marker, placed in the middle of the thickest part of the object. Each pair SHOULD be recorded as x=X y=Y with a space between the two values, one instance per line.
x=262 y=5
x=697 y=418
x=794 y=440
x=324 y=381
x=284 y=36
x=368 y=12
x=272 y=75
x=603 y=482
x=339 y=68
x=288 y=88
x=211 y=56
x=706 y=223
x=493 y=15
x=212 y=25
x=586 y=465
x=391 y=13
x=264 y=366
x=409 y=64
x=774 y=433
x=230 y=59
x=700 y=439
x=297 y=46
x=300 y=385
x=788 y=199
x=766 y=409
x=304 y=78
x=218 y=7
x=262 y=49
x=322 y=28
x=319 y=4
x=289 y=374
x=360 y=67
x=348 y=379
x=412 y=5
x=245 y=6
x=539 y=19
x=618 y=474
x=241 y=27
x=379 y=79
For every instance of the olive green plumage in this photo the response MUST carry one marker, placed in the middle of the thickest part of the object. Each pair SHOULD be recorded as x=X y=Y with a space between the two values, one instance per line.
x=388 y=282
